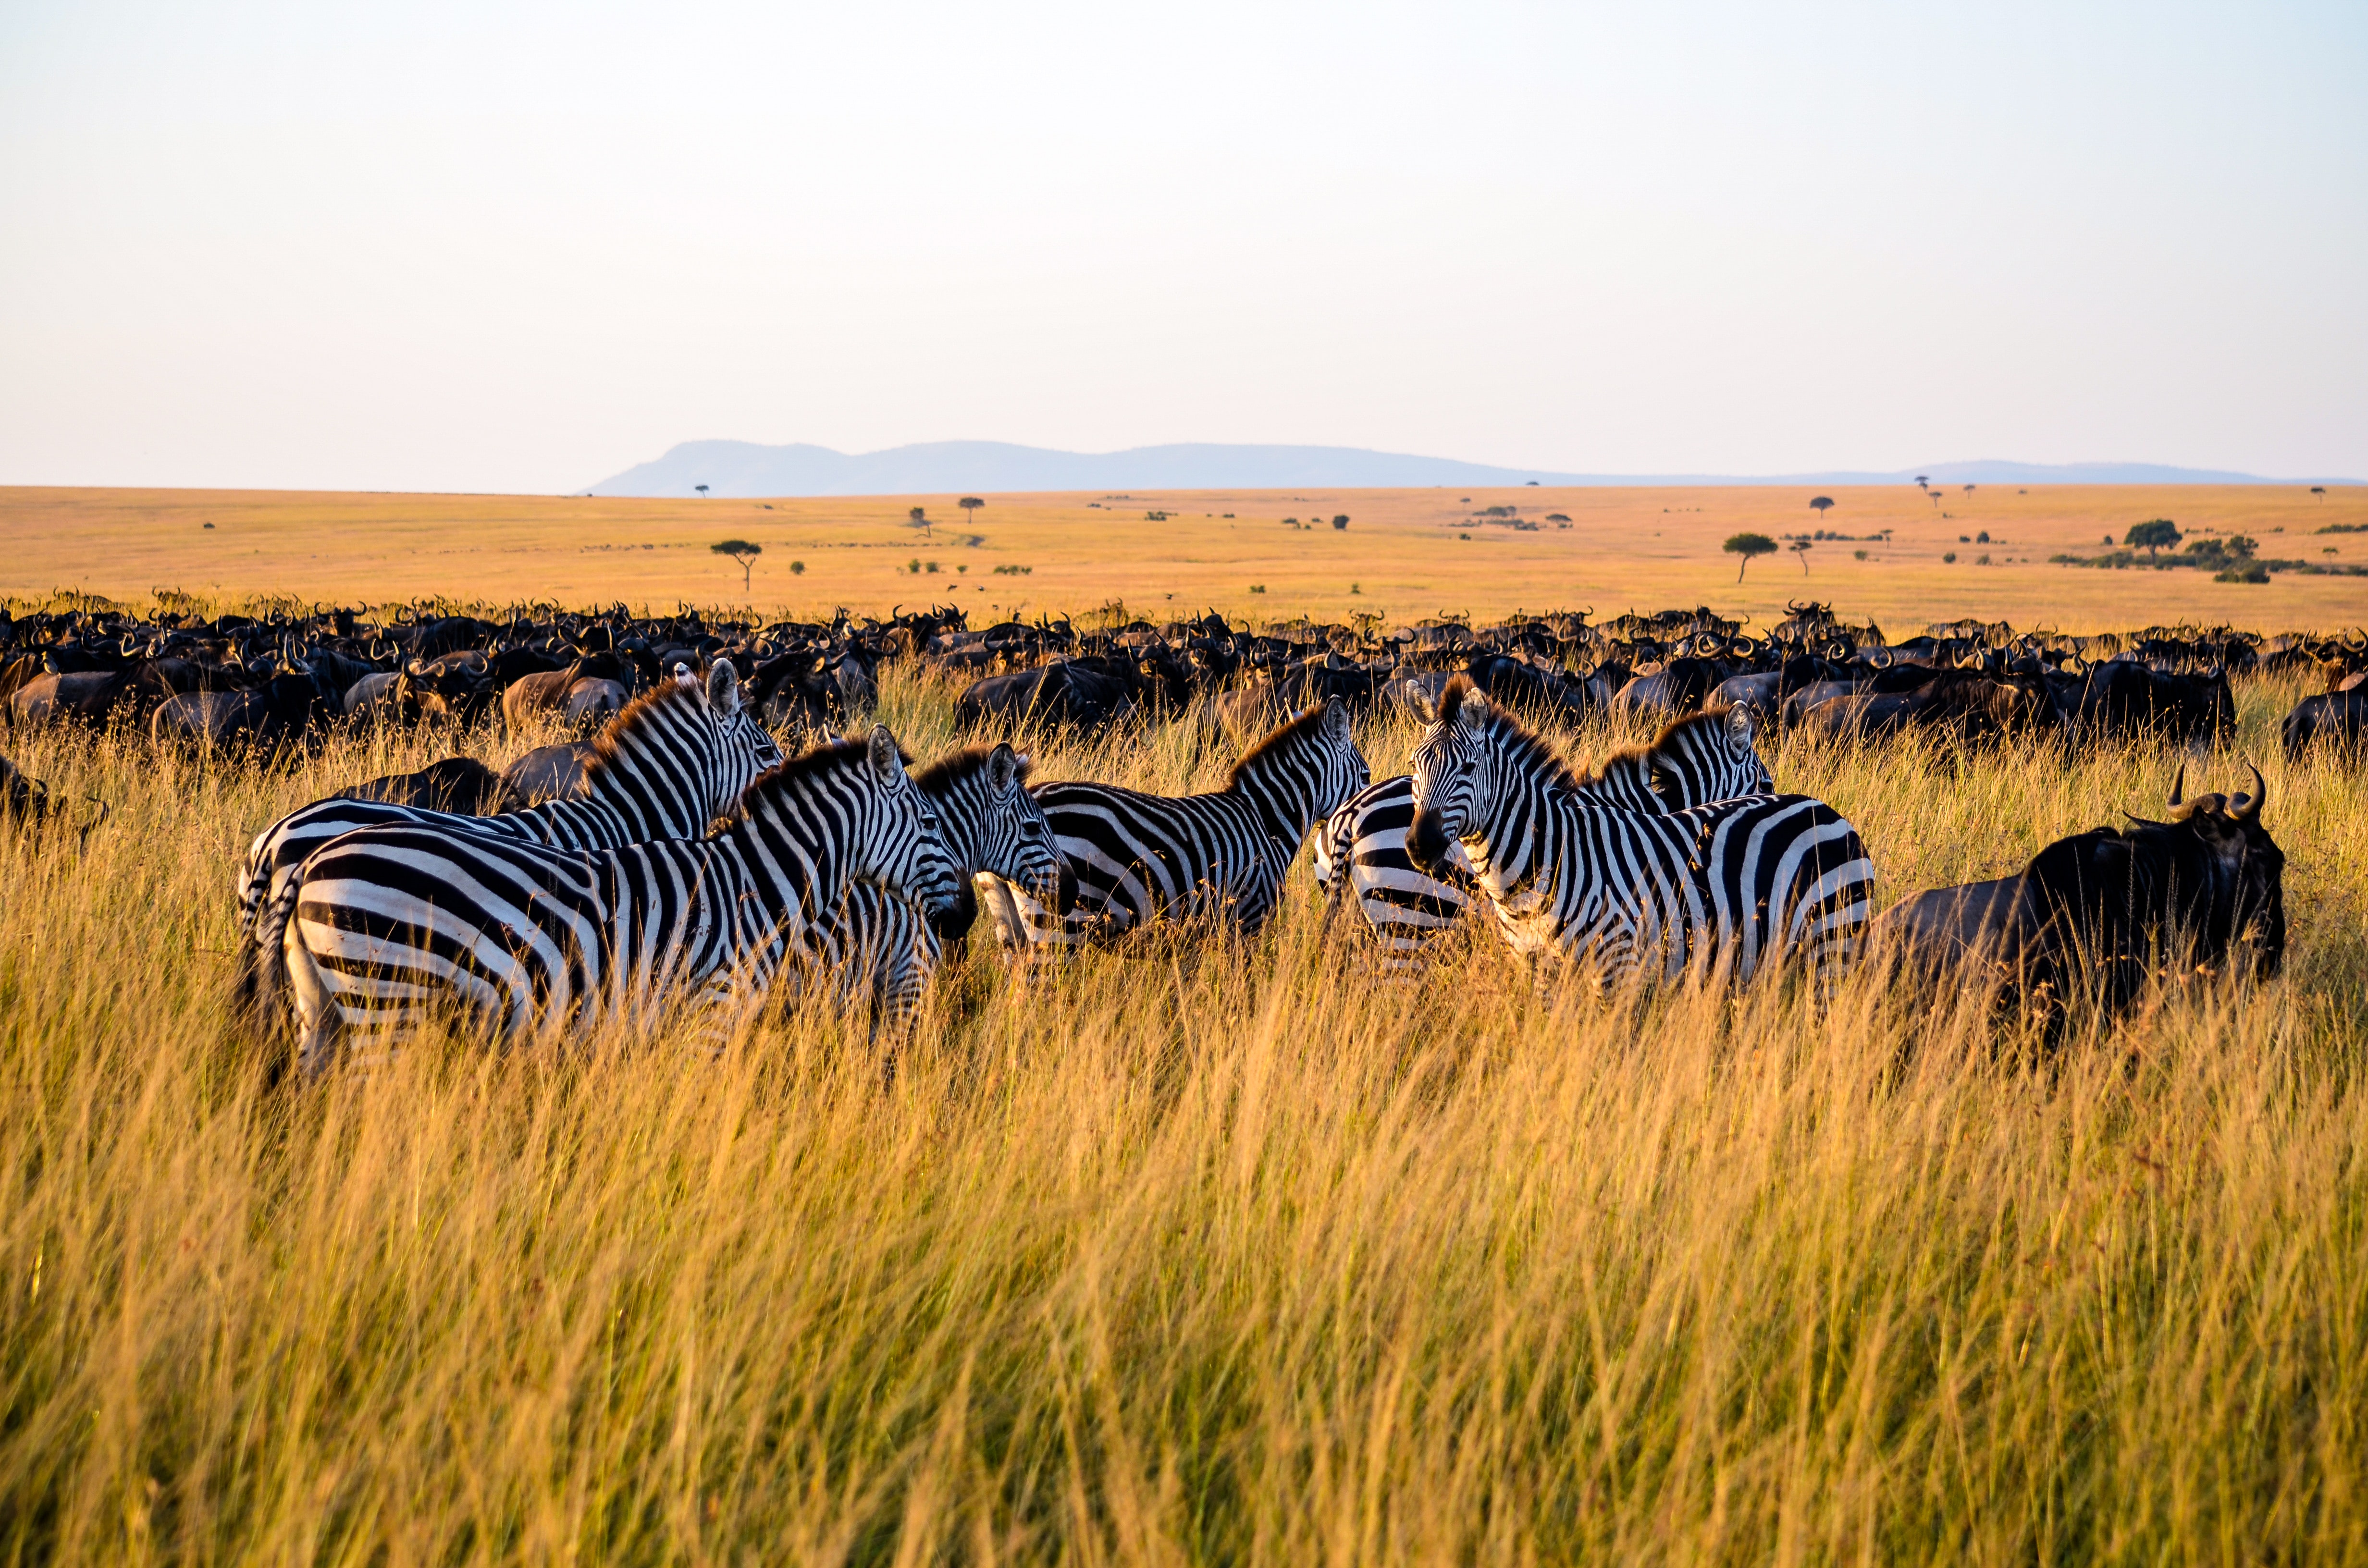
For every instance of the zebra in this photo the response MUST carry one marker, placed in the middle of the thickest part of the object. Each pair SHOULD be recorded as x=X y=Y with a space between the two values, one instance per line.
x=1725 y=888
x=668 y=766
x=880 y=949
x=391 y=923
x=1362 y=849
x=1218 y=857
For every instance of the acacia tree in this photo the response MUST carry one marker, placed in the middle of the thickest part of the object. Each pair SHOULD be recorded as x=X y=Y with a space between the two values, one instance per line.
x=701 y=488
x=1800 y=548
x=970 y=504
x=741 y=551
x=2319 y=491
x=919 y=519
x=1747 y=546
x=1821 y=505
x=2159 y=534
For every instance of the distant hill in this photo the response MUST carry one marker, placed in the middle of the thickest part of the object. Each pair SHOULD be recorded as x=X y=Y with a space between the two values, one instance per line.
x=744 y=468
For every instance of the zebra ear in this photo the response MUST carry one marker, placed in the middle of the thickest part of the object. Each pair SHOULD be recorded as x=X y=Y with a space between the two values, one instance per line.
x=683 y=675
x=723 y=686
x=1742 y=724
x=1475 y=710
x=886 y=761
x=1002 y=768
x=1335 y=718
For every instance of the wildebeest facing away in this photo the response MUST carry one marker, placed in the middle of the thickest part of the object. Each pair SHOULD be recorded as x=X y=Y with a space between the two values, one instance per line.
x=2098 y=913
x=2339 y=718
x=457 y=784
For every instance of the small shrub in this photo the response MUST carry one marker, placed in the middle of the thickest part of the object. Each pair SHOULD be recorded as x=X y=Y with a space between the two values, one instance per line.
x=1257 y=587
x=797 y=568
x=1859 y=554
x=914 y=566
x=933 y=568
x=1983 y=537
x=1983 y=558
x=1354 y=589
x=1463 y=536
x=1950 y=559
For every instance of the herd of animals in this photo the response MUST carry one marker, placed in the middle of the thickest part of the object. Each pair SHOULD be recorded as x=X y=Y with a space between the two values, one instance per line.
x=679 y=856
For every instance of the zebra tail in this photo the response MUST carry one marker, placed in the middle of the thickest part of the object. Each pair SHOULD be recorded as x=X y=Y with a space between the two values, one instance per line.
x=263 y=965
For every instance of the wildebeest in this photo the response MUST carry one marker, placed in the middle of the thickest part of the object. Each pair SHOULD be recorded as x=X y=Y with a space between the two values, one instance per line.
x=1063 y=692
x=461 y=784
x=2099 y=912
x=23 y=798
x=548 y=773
x=2336 y=718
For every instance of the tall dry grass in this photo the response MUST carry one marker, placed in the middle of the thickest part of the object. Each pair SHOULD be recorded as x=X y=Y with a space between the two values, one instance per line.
x=1234 y=1254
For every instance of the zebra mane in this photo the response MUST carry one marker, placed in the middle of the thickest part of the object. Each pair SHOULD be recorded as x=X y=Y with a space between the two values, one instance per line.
x=646 y=710
x=1671 y=734
x=1532 y=751
x=831 y=757
x=1300 y=726
x=941 y=777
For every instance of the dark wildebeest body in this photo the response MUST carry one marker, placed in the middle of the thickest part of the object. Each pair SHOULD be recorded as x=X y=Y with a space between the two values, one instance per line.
x=2337 y=719
x=2100 y=911
x=457 y=784
x=1062 y=692
x=548 y=773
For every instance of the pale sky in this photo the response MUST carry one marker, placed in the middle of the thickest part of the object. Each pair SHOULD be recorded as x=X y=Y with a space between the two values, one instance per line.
x=508 y=247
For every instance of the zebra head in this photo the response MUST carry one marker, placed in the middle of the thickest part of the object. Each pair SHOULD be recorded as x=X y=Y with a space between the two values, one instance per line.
x=1461 y=767
x=1014 y=840
x=746 y=744
x=992 y=826
x=900 y=844
x=1710 y=756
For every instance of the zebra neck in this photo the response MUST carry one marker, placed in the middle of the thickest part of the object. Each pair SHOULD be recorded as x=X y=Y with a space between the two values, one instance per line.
x=1281 y=790
x=1522 y=838
x=650 y=803
x=794 y=872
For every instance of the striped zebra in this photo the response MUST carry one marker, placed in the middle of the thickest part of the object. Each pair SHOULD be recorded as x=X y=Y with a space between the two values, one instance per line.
x=1362 y=849
x=668 y=767
x=1220 y=857
x=880 y=949
x=1722 y=890
x=392 y=923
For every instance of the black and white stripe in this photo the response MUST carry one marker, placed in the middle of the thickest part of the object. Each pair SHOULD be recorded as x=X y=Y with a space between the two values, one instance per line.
x=1219 y=857
x=880 y=949
x=668 y=767
x=393 y=923
x=1718 y=891
x=1360 y=851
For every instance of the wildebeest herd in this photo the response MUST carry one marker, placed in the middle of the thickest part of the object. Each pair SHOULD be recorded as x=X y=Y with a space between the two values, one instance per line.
x=673 y=852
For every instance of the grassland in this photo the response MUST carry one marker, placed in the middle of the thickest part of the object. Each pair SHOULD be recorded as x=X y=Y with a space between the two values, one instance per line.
x=1404 y=554
x=1235 y=1255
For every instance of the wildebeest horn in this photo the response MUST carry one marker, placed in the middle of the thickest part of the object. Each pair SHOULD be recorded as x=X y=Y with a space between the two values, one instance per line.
x=2245 y=808
x=2178 y=783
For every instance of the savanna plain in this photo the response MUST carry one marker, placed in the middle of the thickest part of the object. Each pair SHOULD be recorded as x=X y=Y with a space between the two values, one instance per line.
x=1230 y=1252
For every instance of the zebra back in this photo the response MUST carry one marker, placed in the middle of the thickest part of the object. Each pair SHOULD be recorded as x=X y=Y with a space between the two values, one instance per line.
x=392 y=921
x=675 y=759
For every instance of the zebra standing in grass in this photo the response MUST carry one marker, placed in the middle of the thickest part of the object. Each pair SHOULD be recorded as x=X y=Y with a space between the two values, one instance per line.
x=1220 y=857
x=392 y=923
x=1719 y=890
x=880 y=949
x=1362 y=849
x=668 y=767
